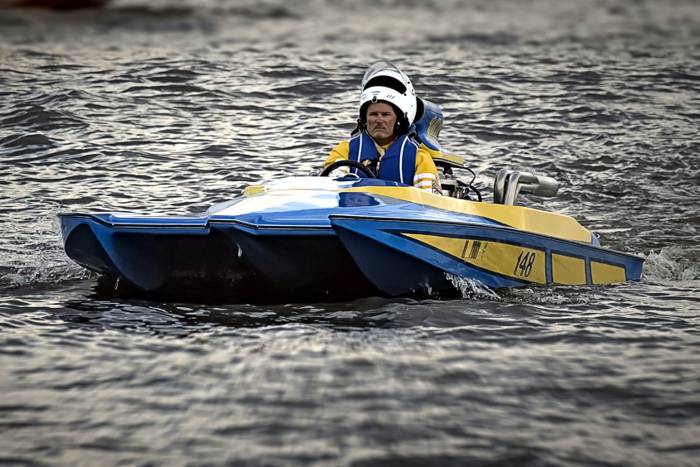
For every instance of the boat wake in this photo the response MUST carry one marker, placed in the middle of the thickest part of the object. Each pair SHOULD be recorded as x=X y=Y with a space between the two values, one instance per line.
x=471 y=289
x=675 y=263
x=39 y=258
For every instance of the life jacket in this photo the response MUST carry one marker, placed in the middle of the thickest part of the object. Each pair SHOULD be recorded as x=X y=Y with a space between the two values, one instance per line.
x=398 y=162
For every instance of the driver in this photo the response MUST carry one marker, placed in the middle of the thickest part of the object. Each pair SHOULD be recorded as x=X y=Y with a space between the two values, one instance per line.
x=381 y=141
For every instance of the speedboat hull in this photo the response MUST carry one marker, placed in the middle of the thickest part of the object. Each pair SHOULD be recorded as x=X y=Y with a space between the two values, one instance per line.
x=311 y=238
x=217 y=262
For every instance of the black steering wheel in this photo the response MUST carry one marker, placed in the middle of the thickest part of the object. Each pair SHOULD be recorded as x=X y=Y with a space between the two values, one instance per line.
x=344 y=163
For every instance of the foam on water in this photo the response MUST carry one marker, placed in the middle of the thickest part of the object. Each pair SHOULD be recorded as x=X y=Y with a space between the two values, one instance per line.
x=673 y=263
x=37 y=258
x=472 y=289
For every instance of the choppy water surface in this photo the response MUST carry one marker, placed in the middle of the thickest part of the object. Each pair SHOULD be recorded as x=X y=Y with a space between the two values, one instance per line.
x=172 y=106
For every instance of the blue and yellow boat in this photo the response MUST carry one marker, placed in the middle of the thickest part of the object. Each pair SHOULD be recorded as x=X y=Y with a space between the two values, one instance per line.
x=327 y=239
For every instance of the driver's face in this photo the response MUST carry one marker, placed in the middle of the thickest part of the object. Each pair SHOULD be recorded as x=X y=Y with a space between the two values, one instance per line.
x=381 y=121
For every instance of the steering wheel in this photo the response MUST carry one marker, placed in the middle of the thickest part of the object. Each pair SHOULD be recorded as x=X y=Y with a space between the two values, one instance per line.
x=344 y=163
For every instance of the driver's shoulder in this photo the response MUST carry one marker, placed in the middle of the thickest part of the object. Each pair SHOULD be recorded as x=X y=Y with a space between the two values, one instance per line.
x=339 y=152
x=342 y=148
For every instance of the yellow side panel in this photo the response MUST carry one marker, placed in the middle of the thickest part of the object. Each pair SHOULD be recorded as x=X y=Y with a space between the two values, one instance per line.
x=509 y=260
x=602 y=273
x=519 y=217
x=568 y=270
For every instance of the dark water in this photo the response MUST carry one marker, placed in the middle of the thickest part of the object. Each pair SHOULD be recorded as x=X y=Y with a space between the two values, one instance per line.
x=172 y=106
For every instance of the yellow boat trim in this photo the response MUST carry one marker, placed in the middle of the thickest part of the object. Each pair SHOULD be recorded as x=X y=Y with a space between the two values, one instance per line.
x=567 y=270
x=526 y=264
x=451 y=159
x=518 y=217
x=602 y=273
x=252 y=190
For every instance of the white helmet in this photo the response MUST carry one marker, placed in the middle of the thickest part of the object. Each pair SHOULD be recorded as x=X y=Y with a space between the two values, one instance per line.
x=383 y=81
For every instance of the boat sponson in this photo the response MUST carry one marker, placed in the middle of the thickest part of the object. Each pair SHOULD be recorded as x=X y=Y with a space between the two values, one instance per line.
x=397 y=266
x=147 y=256
x=443 y=246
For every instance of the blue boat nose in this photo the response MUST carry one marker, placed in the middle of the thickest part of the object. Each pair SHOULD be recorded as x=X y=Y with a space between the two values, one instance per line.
x=96 y=247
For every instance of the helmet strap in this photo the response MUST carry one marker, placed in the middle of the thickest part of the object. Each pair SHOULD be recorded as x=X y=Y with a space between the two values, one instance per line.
x=360 y=126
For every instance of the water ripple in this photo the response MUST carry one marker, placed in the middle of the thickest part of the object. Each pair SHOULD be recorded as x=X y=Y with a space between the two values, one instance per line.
x=156 y=107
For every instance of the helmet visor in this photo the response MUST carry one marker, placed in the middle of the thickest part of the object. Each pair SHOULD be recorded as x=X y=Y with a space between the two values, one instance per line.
x=383 y=68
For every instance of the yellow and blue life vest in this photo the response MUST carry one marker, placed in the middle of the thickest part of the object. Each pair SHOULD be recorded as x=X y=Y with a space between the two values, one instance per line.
x=398 y=162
